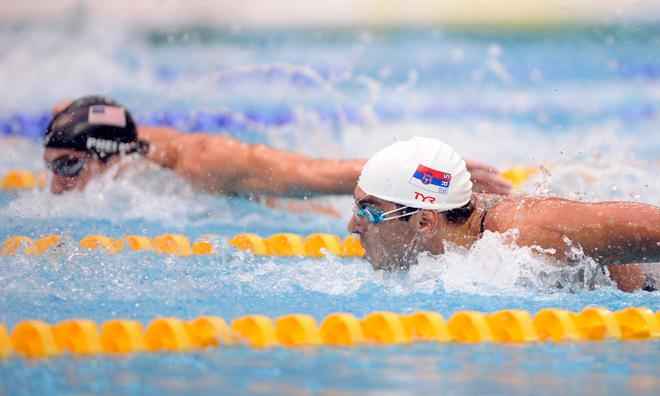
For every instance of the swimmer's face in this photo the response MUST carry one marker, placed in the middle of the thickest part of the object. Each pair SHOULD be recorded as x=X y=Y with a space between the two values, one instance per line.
x=71 y=169
x=389 y=245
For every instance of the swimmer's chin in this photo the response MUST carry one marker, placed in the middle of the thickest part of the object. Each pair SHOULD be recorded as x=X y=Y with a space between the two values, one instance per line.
x=389 y=266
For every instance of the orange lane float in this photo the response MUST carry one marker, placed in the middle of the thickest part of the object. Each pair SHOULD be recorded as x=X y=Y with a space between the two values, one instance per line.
x=122 y=336
x=341 y=329
x=78 y=337
x=252 y=243
x=426 y=326
x=512 y=326
x=637 y=323
x=258 y=331
x=167 y=334
x=556 y=325
x=172 y=244
x=297 y=330
x=470 y=327
x=595 y=324
x=285 y=245
x=384 y=328
x=35 y=339
x=93 y=242
x=318 y=245
x=209 y=331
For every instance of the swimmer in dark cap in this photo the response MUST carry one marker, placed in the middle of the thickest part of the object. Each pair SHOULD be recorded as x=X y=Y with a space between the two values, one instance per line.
x=91 y=134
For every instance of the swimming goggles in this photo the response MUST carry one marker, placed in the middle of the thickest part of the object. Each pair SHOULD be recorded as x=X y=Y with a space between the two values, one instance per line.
x=375 y=215
x=67 y=166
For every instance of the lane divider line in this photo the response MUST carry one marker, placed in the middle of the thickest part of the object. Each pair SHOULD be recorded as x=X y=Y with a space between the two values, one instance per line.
x=34 y=339
x=278 y=245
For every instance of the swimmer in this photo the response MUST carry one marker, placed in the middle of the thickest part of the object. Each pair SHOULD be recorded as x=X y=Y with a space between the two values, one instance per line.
x=416 y=196
x=90 y=135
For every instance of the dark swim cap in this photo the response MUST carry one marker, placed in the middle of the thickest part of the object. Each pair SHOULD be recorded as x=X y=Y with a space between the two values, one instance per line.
x=95 y=124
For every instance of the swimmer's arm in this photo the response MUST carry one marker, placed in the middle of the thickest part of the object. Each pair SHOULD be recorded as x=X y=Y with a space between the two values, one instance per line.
x=629 y=233
x=487 y=179
x=612 y=233
x=296 y=173
x=278 y=172
x=219 y=163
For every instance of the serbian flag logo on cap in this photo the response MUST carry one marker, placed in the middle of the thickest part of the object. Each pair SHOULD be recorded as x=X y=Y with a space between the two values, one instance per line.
x=431 y=179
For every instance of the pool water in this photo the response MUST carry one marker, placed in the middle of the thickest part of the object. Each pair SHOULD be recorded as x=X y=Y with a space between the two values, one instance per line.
x=584 y=101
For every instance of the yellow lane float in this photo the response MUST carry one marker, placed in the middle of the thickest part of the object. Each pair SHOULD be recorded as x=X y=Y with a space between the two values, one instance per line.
x=122 y=336
x=518 y=175
x=285 y=244
x=512 y=326
x=5 y=343
x=470 y=327
x=173 y=244
x=297 y=330
x=14 y=245
x=258 y=331
x=341 y=329
x=637 y=323
x=43 y=244
x=351 y=247
x=318 y=245
x=209 y=331
x=78 y=337
x=384 y=328
x=35 y=339
x=93 y=242
x=202 y=248
x=556 y=325
x=167 y=334
x=426 y=326
x=252 y=243
x=595 y=324
x=18 y=180
x=137 y=242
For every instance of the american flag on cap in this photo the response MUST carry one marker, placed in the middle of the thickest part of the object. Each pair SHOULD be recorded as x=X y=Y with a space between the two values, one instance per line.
x=107 y=115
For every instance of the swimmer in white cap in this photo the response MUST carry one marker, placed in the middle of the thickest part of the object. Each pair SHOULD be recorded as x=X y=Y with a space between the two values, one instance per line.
x=416 y=195
x=87 y=135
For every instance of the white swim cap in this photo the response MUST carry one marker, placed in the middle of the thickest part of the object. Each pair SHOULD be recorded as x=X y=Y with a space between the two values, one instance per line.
x=421 y=173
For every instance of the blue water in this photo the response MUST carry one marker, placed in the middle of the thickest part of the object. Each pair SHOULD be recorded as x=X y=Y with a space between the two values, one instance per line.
x=582 y=100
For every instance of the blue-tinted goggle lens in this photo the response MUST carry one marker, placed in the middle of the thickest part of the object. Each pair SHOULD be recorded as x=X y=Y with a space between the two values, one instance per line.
x=67 y=166
x=372 y=214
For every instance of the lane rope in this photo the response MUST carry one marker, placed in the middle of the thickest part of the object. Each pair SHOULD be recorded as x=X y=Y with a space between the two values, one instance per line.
x=279 y=245
x=34 y=339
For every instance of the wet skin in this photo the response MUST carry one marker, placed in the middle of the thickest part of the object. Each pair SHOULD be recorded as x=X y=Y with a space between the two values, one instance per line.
x=615 y=234
x=92 y=168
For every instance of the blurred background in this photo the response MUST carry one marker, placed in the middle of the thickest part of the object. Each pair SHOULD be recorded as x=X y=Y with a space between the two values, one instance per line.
x=573 y=85
x=344 y=12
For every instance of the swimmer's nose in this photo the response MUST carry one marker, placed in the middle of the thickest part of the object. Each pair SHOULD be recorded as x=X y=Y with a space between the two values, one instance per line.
x=59 y=184
x=354 y=225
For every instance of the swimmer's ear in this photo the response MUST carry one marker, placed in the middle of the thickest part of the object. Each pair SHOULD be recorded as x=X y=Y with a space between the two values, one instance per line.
x=427 y=222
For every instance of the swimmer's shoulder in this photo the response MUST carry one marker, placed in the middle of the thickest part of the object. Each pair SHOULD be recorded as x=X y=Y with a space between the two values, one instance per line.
x=516 y=212
x=498 y=210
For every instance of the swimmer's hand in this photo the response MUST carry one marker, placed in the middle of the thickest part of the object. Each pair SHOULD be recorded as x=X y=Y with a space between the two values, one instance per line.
x=487 y=179
x=61 y=105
